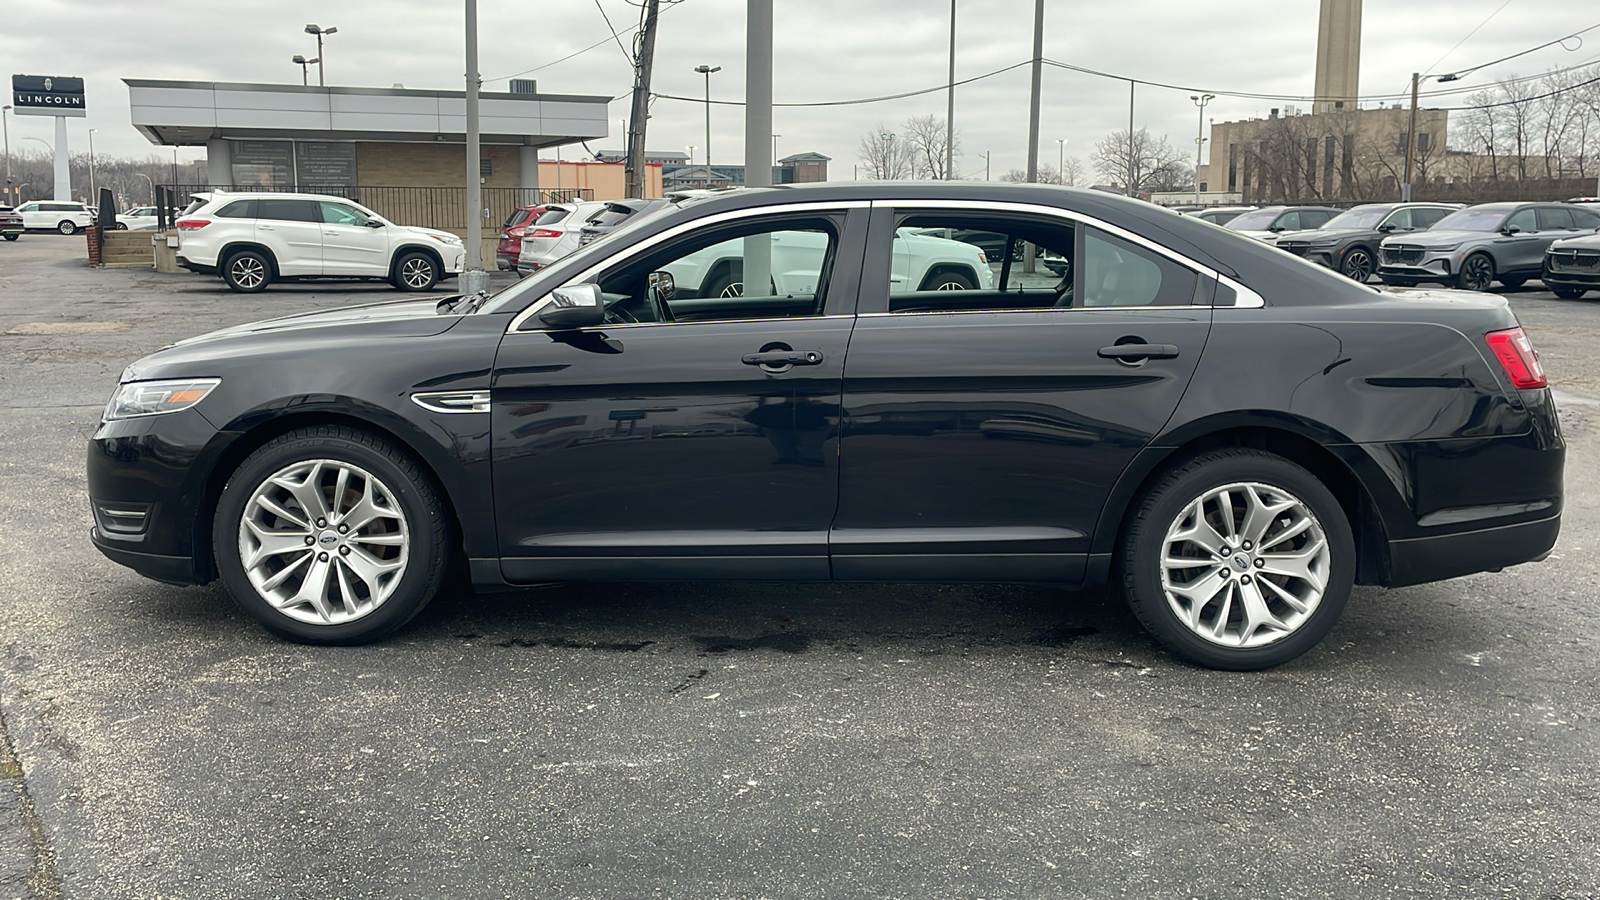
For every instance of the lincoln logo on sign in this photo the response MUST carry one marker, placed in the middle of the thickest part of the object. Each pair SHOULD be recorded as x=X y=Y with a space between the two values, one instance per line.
x=47 y=95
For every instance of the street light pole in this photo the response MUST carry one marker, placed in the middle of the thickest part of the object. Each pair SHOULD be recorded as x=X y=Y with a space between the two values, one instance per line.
x=305 y=79
x=5 y=126
x=950 y=105
x=474 y=279
x=319 y=31
x=706 y=71
x=93 y=194
x=775 y=148
x=1411 y=140
x=1199 y=138
x=152 y=186
x=1061 y=160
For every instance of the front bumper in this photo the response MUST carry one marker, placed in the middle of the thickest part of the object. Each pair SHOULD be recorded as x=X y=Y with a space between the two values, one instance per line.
x=1583 y=279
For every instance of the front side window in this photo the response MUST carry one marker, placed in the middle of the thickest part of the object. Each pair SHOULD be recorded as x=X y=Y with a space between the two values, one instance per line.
x=748 y=271
x=1399 y=220
x=1289 y=221
x=1523 y=221
x=342 y=214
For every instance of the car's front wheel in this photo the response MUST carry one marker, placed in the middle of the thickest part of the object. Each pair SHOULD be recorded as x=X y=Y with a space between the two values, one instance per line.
x=247 y=271
x=1357 y=264
x=330 y=535
x=12 y=237
x=1238 y=559
x=415 y=271
x=67 y=226
x=948 y=281
x=1565 y=293
x=1477 y=273
x=1392 y=281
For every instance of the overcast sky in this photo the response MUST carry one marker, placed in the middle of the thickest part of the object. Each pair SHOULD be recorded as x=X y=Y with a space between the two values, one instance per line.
x=824 y=50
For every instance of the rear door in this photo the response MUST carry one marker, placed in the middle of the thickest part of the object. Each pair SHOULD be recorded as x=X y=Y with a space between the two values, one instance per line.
x=292 y=230
x=702 y=443
x=983 y=429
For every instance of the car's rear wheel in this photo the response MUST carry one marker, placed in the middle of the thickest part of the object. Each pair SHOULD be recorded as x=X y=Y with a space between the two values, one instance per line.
x=1514 y=281
x=415 y=271
x=120 y=226
x=330 y=535
x=1568 y=293
x=1357 y=264
x=1477 y=273
x=67 y=226
x=12 y=237
x=1238 y=559
x=1399 y=282
x=247 y=271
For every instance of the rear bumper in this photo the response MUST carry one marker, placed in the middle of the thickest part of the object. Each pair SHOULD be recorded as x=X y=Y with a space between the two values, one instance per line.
x=1435 y=558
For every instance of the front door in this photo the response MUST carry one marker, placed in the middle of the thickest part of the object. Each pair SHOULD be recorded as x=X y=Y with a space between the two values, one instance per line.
x=984 y=429
x=691 y=436
x=353 y=243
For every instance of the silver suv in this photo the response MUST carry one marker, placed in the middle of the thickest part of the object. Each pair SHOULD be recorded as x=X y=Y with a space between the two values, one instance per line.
x=1474 y=247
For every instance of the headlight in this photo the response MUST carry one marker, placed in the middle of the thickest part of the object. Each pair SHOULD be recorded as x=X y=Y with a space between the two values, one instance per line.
x=1321 y=245
x=446 y=238
x=152 y=398
x=1446 y=248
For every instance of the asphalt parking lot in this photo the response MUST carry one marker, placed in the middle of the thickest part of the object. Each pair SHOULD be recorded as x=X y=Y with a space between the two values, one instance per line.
x=756 y=741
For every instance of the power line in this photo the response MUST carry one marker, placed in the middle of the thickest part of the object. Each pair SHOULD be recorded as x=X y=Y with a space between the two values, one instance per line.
x=1465 y=39
x=625 y=54
x=857 y=101
x=1561 y=40
x=617 y=36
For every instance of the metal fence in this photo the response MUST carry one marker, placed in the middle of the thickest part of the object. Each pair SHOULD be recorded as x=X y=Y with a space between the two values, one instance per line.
x=428 y=207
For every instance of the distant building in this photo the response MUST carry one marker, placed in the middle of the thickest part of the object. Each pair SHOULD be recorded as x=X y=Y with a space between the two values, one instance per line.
x=800 y=168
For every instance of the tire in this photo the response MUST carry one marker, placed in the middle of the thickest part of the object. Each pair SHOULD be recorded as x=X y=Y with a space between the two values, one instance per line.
x=1398 y=282
x=1223 y=635
x=414 y=271
x=1477 y=273
x=363 y=584
x=730 y=285
x=1568 y=293
x=1358 y=264
x=247 y=271
x=120 y=226
x=947 y=281
x=1514 y=281
x=12 y=237
x=67 y=226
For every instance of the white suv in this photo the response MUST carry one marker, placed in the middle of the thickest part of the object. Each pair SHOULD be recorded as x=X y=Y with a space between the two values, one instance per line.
x=55 y=215
x=252 y=240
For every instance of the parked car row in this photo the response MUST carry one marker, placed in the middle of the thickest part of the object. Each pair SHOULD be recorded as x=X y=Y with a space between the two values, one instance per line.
x=1407 y=244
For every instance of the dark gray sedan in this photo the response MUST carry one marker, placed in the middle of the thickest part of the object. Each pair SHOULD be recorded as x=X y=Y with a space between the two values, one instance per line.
x=1349 y=242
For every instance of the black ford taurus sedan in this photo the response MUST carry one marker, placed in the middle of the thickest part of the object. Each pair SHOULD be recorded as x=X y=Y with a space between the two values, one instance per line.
x=1230 y=434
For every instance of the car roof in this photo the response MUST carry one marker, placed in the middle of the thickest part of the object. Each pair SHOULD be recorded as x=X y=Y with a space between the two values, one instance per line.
x=273 y=195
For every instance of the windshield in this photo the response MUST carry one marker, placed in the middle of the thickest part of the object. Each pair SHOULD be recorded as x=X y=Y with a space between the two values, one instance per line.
x=1358 y=219
x=1260 y=220
x=1472 y=219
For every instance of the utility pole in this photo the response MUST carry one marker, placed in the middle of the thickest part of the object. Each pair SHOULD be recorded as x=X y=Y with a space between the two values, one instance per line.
x=1033 y=119
x=1133 y=156
x=1200 y=138
x=5 y=125
x=474 y=279
x=635 y=176
x=94 y=196
x=1411 y=140
x=950 y=105
x=986 y=155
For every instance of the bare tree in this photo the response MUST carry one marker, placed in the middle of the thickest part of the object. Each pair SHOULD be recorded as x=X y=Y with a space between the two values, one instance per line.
x=1072 y=171
x=1047 y=175
x=1155 y=164
x=885 y=156
x=926 y=139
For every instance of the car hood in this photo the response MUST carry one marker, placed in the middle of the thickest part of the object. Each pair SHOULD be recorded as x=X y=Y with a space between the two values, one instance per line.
x=1271 y=237
x=1327 y=235
x=1430 y=239
x=1582 y=242
x=419 y=231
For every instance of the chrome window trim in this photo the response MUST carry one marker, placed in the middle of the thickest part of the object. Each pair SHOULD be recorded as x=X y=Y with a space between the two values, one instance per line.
x=611 y=326
x=1245 y=298
x=677 y=231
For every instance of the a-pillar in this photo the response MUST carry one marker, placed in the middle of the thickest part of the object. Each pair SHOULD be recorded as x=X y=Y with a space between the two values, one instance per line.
x=219 y=163
x=528 y=158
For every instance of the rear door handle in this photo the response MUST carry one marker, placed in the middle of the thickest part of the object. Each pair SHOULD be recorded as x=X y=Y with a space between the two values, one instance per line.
x=1130 y=352
x=784 y=358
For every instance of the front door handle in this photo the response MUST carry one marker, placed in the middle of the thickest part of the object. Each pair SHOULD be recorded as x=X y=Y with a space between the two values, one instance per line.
x=1131 y=352
x=784 y=358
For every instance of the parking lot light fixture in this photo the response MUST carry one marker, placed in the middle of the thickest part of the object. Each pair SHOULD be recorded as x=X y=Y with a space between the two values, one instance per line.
x=305 y=78
x=319 y=31
x=706 y=71
x=1200 y=137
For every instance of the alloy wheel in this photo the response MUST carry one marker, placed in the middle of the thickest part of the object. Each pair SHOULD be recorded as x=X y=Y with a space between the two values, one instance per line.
x=1245 y=565
x=1477 y=272
x=1358 y=265
x=247 y=272
x=323 y=541
x=416 y=272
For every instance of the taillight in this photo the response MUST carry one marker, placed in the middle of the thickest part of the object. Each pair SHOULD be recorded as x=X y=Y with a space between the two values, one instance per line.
x=1517 y=357
x=191 y=224
x=544 y=233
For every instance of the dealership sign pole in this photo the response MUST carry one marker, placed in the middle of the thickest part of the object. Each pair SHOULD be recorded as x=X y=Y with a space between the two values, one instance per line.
x=49 y=95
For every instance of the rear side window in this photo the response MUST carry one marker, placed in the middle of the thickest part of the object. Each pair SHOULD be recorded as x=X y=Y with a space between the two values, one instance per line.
x=289 y=210
x=1552 y=219
x=1119 y=273
x=550 y=217
x=1423 y=217
x=1586 y=218
x=1315 y=218
x=238 y=209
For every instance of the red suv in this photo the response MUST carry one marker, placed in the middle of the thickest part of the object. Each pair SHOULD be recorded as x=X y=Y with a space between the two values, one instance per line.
x=510 y=245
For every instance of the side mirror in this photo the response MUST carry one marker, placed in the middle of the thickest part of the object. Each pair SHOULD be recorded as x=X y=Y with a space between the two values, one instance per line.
x=374 y=223
x=574 y=306
x=1510 y=229
x=1386 y=228
x=1275 y=228
x=662 y=285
